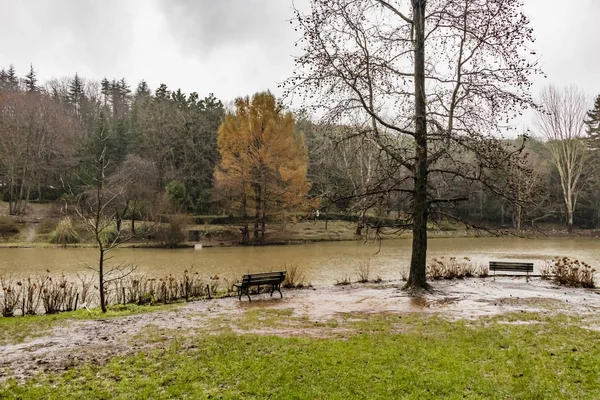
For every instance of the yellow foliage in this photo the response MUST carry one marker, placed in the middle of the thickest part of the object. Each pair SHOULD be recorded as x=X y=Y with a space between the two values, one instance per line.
x=263 y=162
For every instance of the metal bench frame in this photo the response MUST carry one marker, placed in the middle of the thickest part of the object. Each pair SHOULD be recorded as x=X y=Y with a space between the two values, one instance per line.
x=275 y=279
x=511 y=266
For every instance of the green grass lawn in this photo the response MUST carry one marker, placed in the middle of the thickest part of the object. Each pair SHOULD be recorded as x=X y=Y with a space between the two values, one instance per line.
x=384 y=357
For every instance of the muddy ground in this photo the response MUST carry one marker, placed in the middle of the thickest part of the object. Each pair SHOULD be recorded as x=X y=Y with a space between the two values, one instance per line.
x=94 y=341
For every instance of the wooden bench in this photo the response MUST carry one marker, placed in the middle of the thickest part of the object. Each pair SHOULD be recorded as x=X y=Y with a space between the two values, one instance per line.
x=511 y=266
x=274 y=279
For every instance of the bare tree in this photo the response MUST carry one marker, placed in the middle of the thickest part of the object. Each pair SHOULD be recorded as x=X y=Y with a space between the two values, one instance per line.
x=561 y=122
x=134 y=186
x=96 y=205
x=37 y=139
x=433 y=81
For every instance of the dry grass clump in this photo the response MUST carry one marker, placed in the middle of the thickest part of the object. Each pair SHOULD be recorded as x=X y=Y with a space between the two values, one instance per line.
x=58 y=294
x=568 y=272
x=363 y=272
x=64 y=232
x=294 y=277
x=47 y=226
x=11 y=294
x=455 y=268
x=344 y=280
x=8 y=228
x=141 y=289
x=54 y=294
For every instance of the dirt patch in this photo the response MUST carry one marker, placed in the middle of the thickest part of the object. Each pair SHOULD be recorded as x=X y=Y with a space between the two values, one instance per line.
x=318 y=309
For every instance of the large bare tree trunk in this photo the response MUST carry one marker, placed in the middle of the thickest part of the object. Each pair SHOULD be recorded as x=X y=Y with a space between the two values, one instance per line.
x=417 y=277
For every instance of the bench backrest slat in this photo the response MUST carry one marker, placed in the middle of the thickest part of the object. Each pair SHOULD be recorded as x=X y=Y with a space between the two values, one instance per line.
x=264 y=278
x=511 y=266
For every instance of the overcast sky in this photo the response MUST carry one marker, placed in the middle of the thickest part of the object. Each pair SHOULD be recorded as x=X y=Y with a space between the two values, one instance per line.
x=231 y=47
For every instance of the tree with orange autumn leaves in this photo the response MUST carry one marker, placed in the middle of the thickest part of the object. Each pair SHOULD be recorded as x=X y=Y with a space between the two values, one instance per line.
x=263 y=163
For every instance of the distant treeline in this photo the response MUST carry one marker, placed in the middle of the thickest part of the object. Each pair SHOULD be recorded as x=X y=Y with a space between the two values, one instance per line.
x=171 y=141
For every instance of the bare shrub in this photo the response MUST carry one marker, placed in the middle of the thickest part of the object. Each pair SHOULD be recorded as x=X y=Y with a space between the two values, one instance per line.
x=214 y=283
x=161 y=293
x=294 y=277
x=197 y=286
x=32 y=295
x=344 y=280
x=575 y=273
x=546 y=270
x=85 y=284
x=173 y=234
x=142 y=290
x=64 y=233
x=363 y=271
x=229 y=286
x=484 y=271
x=455 y=268
x=11 y=295
x=58 y=295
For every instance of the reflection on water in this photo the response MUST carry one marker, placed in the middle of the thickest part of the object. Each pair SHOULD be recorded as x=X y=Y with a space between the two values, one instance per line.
x=323 y=263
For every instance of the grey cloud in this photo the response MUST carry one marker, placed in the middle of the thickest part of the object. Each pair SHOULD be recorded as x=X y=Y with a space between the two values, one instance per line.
x=96 y=32
x=205 y=25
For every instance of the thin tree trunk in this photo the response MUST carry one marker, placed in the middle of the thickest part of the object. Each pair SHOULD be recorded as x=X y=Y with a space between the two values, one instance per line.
x=263 y=207
x=262 y=225
x=101 y=279
x=359 y=226
x=11 y=192
x=417 y=278
x=257 y=193
x=245 y=233
x=19 y=200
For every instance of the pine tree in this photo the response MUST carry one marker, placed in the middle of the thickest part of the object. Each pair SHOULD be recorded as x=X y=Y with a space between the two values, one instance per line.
x=162 y=93
x=31 y=80
x=105 y=89
x=76 y=93
x=142 y=90
x=179 y=98
x=3 y=79
x=593 y=123
x=12 y=79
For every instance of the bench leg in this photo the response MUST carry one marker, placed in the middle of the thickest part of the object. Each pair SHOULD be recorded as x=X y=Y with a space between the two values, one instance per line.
x=248 y=294
x=279 y=290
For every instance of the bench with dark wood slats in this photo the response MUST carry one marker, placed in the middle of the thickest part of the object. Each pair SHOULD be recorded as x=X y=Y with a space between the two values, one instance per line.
x=274 y=279
x=511 y=266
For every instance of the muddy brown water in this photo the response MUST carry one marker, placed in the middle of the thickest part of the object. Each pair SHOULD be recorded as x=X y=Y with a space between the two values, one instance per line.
x=323 y=263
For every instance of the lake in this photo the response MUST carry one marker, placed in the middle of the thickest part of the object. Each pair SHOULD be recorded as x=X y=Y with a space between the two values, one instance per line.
x=323 y=263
